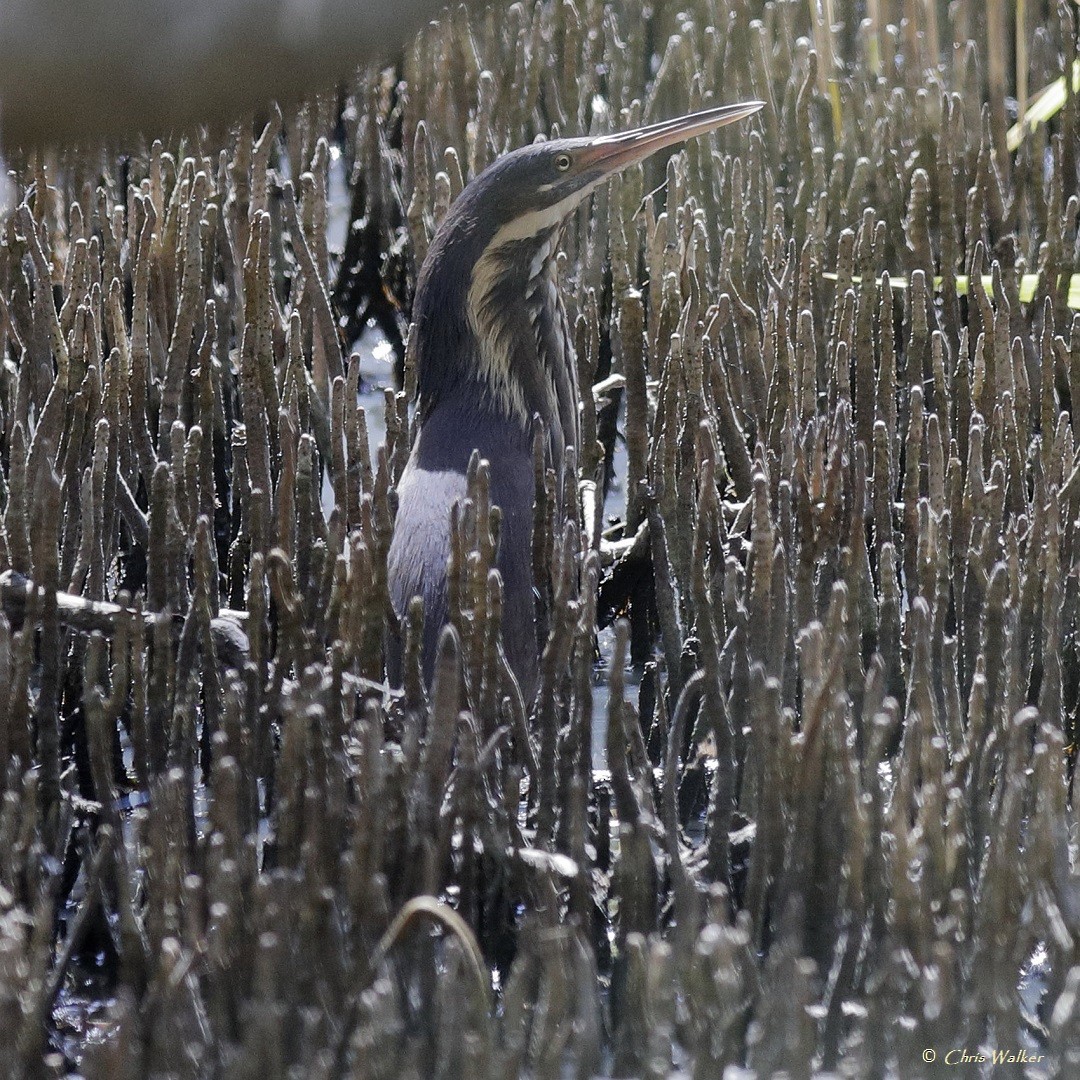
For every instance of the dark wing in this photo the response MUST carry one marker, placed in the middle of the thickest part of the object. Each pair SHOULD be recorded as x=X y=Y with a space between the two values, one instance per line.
x=433 y=480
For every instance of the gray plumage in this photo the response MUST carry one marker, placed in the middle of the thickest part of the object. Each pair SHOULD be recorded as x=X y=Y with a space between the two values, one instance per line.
x=495 y=359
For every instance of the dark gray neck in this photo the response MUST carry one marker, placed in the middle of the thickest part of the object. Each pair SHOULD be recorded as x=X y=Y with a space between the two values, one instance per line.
x=497 y=335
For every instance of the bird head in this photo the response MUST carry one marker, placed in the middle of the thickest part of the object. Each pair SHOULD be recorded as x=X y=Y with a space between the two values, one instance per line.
x=485 y=307
x=534 y=189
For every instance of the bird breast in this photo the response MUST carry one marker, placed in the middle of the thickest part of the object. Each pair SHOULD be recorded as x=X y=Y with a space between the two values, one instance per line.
x=525 y=353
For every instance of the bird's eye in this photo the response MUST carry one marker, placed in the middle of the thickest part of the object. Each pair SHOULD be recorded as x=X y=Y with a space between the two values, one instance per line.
x=562 y=162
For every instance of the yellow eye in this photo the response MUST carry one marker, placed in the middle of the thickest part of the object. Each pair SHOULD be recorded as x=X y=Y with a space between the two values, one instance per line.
x=562 y=162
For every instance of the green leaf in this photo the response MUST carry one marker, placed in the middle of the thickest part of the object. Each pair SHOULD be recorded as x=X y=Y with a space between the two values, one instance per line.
x=1029 y=284
x=1046 y=104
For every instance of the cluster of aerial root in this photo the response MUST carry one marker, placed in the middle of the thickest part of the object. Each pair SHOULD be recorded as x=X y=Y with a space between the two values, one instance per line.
x=814 y=808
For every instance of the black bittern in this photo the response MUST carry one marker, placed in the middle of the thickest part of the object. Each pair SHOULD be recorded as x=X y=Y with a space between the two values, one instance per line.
x=495 y=358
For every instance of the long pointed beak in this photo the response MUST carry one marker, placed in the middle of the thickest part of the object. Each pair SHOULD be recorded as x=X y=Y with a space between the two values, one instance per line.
x=610 y=153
